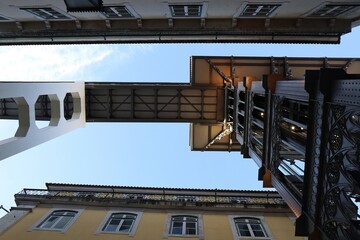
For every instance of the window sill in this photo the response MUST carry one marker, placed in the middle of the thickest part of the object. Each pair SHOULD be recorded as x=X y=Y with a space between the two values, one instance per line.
x=184 y=236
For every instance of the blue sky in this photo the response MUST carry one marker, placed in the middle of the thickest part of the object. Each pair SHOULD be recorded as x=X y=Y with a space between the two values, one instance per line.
x=153 y=154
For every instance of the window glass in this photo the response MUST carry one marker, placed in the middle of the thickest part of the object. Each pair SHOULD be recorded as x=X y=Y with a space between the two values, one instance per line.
x=259 y=10
x=57 y=220
x=186 y=10
x=120 y=222
x=249 y=227
x=243 y=229
x=113 y=223
x=116 y=12
x=184 y=225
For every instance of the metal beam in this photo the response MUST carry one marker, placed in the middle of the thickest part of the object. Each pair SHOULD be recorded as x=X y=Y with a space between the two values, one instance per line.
x=218 y=71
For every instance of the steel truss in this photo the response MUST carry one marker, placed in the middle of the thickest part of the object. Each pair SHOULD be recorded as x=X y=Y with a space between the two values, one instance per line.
x=138 y=102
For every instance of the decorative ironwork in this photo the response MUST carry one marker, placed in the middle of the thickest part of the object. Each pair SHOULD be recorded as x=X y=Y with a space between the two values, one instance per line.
x=333 y=169
x=330 y=230
x=229 y=200
x=340 y=216
x=331 y=201
x=336 y=139
x=338 y=111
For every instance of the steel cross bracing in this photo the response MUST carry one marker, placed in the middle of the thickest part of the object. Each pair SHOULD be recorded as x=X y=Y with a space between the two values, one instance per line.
x=139 y=102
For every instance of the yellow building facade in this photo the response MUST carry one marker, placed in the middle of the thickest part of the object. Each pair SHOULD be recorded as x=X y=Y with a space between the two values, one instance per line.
x=65 y=211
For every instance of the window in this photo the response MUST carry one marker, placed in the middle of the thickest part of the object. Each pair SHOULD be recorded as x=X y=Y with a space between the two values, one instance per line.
x=250 y=227
x=258 y=10
x=332 y=10
x=83 y=5
x=184 y=225
x=188 y=225
x=186 y=10
x=120 y=222
x=58 y=220
x=46 y=13
x=117 y=12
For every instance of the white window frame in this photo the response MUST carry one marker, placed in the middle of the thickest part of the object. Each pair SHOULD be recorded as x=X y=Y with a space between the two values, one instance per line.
x=245 y=4
x=184 y=219
x=108 y=216
x=169 y=223
x=186 y=10
x=169 y=15
x=236 y=235
x=127 y=6
x=36 y=226
x=112 y=8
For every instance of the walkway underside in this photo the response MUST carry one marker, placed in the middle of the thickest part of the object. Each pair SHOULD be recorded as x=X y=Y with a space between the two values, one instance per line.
x=139 y=102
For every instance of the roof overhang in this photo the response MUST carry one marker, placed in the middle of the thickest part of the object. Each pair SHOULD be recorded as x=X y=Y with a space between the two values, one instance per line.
x=182 y=31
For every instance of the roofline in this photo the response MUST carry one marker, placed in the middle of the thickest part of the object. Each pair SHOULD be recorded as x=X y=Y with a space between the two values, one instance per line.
x=51 y=185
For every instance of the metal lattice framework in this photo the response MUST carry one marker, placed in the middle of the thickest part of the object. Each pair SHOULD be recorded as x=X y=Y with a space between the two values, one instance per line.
x=151 y=102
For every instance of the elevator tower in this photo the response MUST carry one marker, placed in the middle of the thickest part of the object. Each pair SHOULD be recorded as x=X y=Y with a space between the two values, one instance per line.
x=297 y=118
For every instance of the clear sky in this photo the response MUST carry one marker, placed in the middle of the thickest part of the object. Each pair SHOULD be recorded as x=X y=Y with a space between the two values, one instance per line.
x=137 y=154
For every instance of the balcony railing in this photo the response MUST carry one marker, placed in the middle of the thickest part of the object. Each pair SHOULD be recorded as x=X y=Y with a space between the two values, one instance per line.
x=215 y=199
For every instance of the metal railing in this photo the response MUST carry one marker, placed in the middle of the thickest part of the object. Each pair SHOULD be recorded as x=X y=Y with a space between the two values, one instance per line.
x=216 y=198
